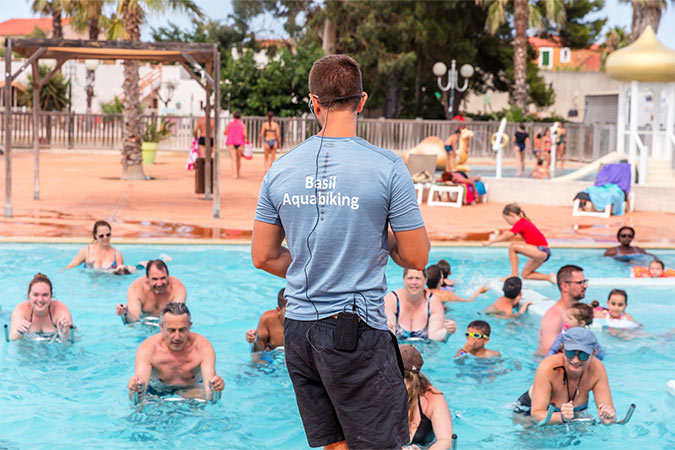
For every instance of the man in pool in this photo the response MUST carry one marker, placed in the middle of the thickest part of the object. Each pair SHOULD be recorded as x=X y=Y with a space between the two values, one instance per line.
x=334 y=198
x=270 y=331
x=572 y=286
x=183 y=362
x=150 y=293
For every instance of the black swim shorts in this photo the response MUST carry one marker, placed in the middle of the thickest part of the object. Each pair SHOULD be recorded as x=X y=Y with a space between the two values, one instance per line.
x=355 y=396
x=202 y=141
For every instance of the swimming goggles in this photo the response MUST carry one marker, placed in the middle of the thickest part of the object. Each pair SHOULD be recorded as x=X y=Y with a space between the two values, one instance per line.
x=477 y=335
x=583 y=356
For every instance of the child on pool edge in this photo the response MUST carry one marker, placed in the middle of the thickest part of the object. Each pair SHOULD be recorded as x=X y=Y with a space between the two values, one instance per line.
x=477 y=335
x=617 y=302
x=535 y=246
x=577 y=315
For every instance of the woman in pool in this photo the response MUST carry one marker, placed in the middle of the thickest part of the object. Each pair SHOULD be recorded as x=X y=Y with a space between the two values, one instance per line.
x=418 y=309
x=236 y=137
x=270 y=132
x=99 y=254
x=535 y=246
x=566 y=379
x=624 y=250
x=617 y=302
x=429 y=417
x=40 y=314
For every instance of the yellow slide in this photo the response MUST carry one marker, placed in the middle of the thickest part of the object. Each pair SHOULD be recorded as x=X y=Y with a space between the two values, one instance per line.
x=609 y=158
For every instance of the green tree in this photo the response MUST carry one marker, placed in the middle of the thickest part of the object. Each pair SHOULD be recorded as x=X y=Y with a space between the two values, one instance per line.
x=53 y=95
x=53 y=9
x=125 y=24
x=578 y=31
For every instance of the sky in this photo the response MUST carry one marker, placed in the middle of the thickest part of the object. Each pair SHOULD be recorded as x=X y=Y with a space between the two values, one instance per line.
x=618 y=14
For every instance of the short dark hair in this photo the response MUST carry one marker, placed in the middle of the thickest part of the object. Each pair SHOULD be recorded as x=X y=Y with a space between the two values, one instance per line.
x=481 y=325
x=521 y=126
x=625 y=227
x=281 y=300
x=175 y=308
x=434 y=275
x=161 y=265
x=618 y=292
x=583 y=312
x=237 y=114
x=512 y=287
x=659 y=262
x=565 y=273
x=335 y=76
x=444 y=266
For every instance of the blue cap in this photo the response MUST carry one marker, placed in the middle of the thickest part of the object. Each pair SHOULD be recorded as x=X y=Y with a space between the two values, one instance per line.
x=579 y=338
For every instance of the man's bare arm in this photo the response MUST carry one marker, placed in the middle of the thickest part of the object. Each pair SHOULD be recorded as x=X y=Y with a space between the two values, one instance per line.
x=134 y=306
x=410 y=249
x=179 y=291
x=266 y=250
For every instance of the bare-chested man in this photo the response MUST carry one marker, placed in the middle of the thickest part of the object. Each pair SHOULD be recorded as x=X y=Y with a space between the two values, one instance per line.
x=200 y=134
x=572 y=286
x=184 y=362
x=270 y=331
x=149 y=294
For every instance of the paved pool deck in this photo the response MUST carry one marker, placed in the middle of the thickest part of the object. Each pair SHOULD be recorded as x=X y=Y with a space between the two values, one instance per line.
x=78 y=188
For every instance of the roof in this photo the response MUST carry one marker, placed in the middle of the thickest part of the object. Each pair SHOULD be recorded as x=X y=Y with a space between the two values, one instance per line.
x=15 y=84
x=554 y=41
x=112 y=50
x=23 y=27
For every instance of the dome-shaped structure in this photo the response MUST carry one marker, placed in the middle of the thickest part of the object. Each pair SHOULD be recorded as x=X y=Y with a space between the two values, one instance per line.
x=646 y=59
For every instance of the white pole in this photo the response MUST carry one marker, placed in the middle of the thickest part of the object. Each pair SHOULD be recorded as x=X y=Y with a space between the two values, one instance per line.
x=554 y=131
x=670 y=120
x=621 y=120
x=498 y=145
x=633 y=126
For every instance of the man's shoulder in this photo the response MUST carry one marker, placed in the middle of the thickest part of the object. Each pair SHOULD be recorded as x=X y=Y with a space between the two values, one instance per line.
x=175 y=280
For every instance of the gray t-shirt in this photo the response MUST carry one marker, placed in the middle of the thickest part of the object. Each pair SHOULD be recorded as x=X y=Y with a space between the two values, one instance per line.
x=340 y=252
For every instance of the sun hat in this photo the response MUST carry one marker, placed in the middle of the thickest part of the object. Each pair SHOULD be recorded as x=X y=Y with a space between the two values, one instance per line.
x=412 y=359
x=579 y=338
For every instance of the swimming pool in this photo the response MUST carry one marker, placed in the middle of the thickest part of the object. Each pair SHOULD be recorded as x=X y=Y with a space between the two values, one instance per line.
x=75 y=397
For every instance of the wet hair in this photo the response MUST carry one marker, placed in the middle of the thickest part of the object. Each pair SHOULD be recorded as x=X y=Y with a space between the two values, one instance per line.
x=515 y=209
x=512 y=287
x=175 y=308
x=161 y=265
x=582 y=311
x=659 y=262
x=444 y=266
x=434 y=276
x=480 y=325
x=406 y=270
x=565 y=273
x=618 y=292
x=521 y=126
x=540 y=162
x=416 y=384
x=40 y=278
x=538 y=135
x=99 y=223
x=625 y=227
x=281 y=300
x=446 y=175
x=237 y=114
x=335 y=76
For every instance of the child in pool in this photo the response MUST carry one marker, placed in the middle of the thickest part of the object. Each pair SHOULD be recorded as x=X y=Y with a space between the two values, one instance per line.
x=656 y=268
x=446 y=283
x=577 y=315
x=477 y=335
x=535 y=246
x=540 y=172
x=617 y=303
x=505 y=304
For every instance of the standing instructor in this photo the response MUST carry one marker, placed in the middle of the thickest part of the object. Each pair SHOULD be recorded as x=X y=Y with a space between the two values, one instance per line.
x=334 y=198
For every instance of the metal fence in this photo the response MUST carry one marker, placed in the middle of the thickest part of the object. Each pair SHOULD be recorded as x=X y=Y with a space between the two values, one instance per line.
x=584 y=143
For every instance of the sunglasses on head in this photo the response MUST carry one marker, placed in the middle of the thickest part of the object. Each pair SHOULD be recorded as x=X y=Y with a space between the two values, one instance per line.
x=626 y=235
x=477 y=335
x=583 y=356
x=580 y=283
x=100 y=236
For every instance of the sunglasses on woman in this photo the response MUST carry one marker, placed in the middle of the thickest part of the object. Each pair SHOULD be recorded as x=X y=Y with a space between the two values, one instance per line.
x=626 y=236
x=477 y=335
x=101 y=236
x=583 y=356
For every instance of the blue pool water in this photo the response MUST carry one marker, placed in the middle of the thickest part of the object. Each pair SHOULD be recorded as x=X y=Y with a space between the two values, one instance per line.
x=54 y=397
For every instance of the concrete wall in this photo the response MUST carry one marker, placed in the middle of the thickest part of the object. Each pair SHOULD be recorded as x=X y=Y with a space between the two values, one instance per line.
x=561 y=193
x=570 y=89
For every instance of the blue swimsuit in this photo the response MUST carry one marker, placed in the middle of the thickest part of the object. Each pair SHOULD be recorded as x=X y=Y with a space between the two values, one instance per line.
x=402 y=333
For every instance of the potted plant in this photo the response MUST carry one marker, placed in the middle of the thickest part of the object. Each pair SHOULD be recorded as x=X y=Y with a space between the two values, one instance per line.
x=154 y=133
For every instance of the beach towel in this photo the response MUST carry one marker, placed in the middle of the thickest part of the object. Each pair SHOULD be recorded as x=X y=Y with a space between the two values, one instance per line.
x=192 y=156
x=618 y=174
x=610 y=193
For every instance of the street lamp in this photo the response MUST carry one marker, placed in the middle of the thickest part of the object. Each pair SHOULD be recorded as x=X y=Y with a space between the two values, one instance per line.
x=170 y=88
x=439 y=70
x=91 y=65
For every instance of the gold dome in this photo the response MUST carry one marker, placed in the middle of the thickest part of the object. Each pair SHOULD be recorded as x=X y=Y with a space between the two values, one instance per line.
x=646 y=59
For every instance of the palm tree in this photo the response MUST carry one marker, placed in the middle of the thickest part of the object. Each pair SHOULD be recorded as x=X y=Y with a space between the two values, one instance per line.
x=126 y=24
x=525 y=14
x=53 y=8
x=615 y=39
x=645 y=12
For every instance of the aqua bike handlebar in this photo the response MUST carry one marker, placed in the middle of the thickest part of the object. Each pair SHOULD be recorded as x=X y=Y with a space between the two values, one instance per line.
x=6 y=333
x=454 y=441
x=551 y=409
x=134 y=398
x=549 y=413
x=72 y=334
x=629 y=414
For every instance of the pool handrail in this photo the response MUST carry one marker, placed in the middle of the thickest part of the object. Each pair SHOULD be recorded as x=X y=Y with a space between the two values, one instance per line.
x=6 y=333
x=549 y=413
x=454 y=441
x=629 y=415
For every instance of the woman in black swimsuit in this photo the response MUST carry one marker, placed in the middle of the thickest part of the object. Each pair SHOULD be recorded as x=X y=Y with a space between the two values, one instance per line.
x=40 y=314
x=625 y=251
x=429 y=417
